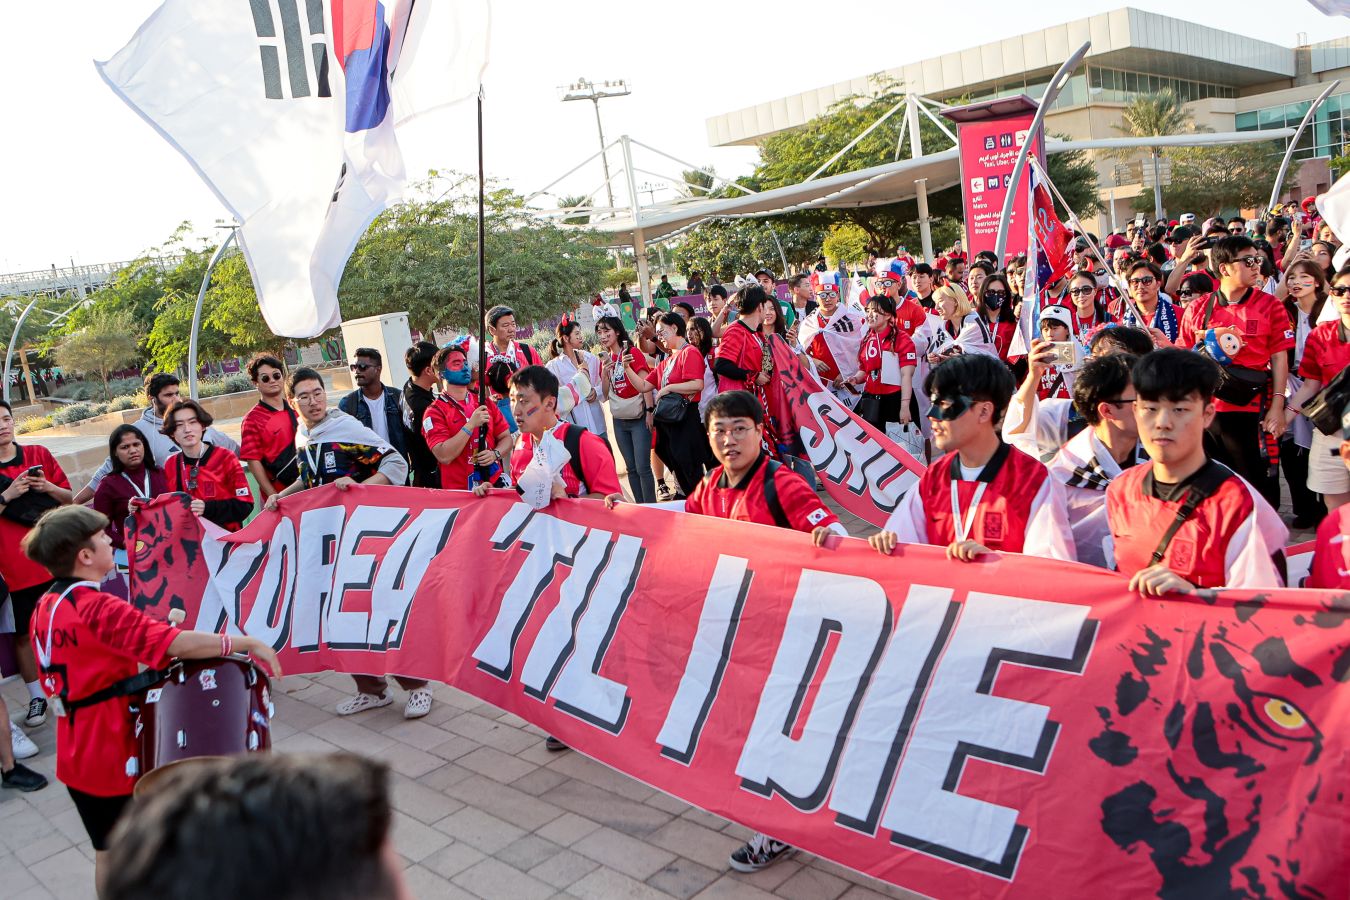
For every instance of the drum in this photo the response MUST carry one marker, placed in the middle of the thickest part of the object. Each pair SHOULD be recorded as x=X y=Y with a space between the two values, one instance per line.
x=203 y=708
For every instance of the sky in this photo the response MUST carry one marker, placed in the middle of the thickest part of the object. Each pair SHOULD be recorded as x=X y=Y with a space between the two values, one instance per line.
x=86 y=180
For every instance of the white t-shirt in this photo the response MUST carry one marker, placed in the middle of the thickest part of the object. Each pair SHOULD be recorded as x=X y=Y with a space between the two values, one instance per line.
x=378 y=423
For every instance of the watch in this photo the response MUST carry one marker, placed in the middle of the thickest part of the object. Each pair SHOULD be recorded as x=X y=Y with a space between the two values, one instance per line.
x=651 y=409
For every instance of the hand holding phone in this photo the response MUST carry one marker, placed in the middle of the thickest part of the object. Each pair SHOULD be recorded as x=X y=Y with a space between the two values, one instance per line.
x=34 y=472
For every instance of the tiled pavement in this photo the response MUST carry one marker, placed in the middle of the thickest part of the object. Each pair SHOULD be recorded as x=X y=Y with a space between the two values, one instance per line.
x=482 y=809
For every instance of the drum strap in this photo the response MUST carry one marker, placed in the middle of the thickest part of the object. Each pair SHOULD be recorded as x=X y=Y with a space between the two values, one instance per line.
x=125 y=687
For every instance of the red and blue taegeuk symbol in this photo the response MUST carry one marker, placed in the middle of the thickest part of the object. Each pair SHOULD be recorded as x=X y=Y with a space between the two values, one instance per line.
x=361 y=43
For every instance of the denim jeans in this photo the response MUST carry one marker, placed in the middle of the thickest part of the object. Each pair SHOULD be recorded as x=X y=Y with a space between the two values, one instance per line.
x=635 y=445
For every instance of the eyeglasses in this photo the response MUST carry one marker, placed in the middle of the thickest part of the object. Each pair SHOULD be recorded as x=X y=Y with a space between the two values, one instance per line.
x=736 y=434
x=1123 y=401
x=361 y=367
x=1185 y=293
x=1340 y=290
x=268 y=379
x=955 y=407
x=1144 y=280
x=1082 y=291
x=1251 y=262
x=181 y=422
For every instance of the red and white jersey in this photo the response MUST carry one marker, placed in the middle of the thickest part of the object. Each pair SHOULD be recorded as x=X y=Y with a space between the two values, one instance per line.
x=1260 y=319
x=746 y=501
x=597 y=463
x=1331 y=556
x=1229 y=541
x=909 y=315
x=1010 y=505
x=744 y=348
x=891 y=340
x=1086 y=468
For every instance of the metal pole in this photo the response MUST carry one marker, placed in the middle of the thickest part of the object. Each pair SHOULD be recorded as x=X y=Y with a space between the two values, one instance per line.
x=851 y=144
x=779 y=245
x=604 y=156
x=14 y=339
x=1051 y=92
x=1293 y=142
x=1157 y=185
x=197 y=310
x=921 y=185
x=639 y=240
x=482 y=473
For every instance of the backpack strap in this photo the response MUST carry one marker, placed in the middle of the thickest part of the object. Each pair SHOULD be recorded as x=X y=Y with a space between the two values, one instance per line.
x=572 y=441
x=1204 y=486
x=771 y=494
x=124 y=687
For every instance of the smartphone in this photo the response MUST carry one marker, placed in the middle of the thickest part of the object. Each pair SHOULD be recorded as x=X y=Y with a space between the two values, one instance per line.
x=34 y=472
x=1065 y=354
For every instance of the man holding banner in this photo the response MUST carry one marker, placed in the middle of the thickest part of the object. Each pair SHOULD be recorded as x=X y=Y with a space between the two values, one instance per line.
x=748 y=486
x=983 y=495
x=831 y=337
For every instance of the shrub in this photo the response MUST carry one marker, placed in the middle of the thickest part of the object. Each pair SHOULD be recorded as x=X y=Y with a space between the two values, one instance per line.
x=34 y=423
x=126 y=401
x=77 y=411
x=230 y=384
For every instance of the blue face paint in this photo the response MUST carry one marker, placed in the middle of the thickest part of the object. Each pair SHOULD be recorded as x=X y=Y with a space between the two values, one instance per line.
x=461 y=375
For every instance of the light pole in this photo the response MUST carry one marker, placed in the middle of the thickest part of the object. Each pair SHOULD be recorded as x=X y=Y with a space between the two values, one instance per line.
x=583 y=89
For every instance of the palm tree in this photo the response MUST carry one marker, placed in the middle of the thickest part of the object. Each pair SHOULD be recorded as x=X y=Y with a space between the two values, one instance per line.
x=580 y=218
x=1154 y=115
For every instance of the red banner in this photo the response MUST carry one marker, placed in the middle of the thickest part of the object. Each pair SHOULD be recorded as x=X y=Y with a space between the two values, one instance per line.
x=863 y=471
x=1054 y=238
x=989 y=148
x=1012 y=728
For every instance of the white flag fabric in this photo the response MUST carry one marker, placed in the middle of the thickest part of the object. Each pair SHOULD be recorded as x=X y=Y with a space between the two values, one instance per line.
x=1332 y=7
x=1334 y=207
x=289 y=111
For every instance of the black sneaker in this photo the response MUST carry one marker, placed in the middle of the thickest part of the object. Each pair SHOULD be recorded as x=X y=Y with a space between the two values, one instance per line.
x=553 y=745
x=22 y=778
x=663 y=493
x=37 y=713
x=760 y=852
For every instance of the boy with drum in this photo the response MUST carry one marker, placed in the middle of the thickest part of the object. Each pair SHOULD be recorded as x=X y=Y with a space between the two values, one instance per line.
x=88 y=644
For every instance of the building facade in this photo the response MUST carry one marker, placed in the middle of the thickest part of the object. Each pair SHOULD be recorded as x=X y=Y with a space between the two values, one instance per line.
x=1229 y=82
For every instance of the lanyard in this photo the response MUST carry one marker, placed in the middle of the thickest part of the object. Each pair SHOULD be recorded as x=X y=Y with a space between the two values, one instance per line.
x=44 y=651
x=962 y=526
x=143 y=492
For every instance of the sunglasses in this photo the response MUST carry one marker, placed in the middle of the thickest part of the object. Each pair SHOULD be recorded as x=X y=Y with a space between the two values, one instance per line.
x=192 y=479
x=956 y=407
x=1340 y=290
x=1251 y=262
x=1144 y=280
x=1001 y=295
x=1185 y=293
x=360 y=367
x=268 y=379
x=1082 y=291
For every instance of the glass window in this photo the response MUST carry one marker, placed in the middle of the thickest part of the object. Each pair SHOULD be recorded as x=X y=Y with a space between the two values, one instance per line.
x=1270 y=118
x=1131 y=82
x=1246 y=121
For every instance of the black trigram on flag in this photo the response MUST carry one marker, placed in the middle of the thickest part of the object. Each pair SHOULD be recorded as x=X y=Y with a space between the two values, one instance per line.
x=298 y=55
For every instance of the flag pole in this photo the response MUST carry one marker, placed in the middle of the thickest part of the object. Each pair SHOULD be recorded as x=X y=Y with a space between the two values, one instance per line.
x=1077 y=224
x=483 y=472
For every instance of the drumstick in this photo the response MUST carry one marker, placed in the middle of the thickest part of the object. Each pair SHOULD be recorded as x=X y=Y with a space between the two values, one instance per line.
x=176 y=616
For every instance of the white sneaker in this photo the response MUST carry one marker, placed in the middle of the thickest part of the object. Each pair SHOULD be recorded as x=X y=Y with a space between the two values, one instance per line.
x=362 y=702
x=419 y=703
x=24 y=748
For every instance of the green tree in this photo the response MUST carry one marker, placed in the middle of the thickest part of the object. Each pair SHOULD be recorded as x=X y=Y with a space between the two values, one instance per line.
x=107 y=342
x=698 y=183
x=1154 y=115
x=1213 y=179
x=789 y=157
x=730 y=247
x=580 y=218
x=616 y=277
x=421 y=256
x=846 y=243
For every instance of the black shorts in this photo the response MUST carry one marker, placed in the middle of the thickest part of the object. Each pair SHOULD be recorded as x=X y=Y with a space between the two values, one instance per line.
x=24 y=602
x=99 y=814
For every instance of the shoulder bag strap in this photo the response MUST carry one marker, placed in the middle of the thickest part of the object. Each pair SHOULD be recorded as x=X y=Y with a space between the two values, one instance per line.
x=572 y=441
x=1201 y=490
x=771 y=494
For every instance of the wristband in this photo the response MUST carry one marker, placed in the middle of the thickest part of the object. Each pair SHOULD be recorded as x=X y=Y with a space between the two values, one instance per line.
x=650 y=409
x=467 y=430
x=226 y=645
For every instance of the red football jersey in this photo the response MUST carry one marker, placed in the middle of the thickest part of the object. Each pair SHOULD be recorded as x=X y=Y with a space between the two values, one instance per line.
x=744 y=348
x=895 y=341
x=597 y=463
x=1325 y=354
x=266 y=434
x=84 y=644
x=745 y=501
x=18 y=570
x=218 y=480
x=1262 y=321
x=1208 y=550
x=1331 y=556
x=444 y=419
x=1000 y=522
